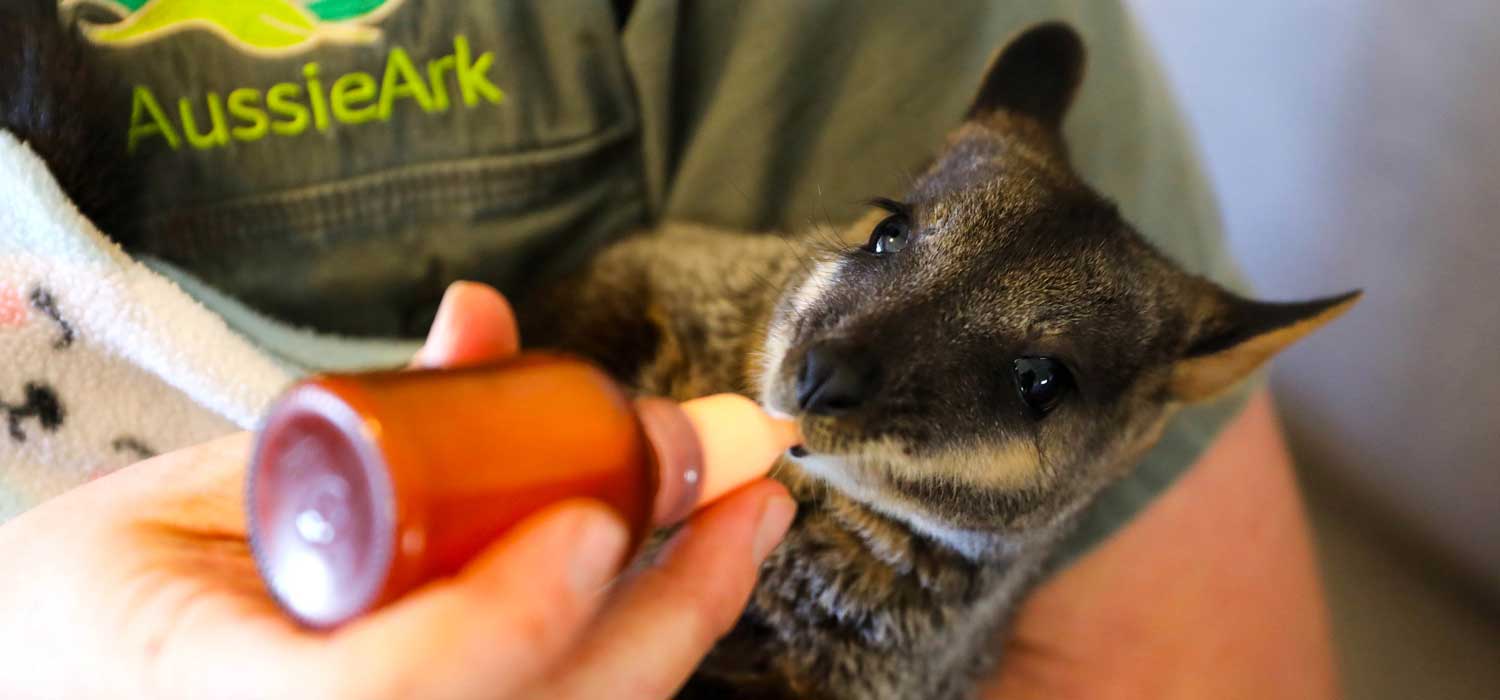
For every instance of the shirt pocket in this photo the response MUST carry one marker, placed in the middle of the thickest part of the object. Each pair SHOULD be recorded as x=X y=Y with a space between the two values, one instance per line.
x=342 y=182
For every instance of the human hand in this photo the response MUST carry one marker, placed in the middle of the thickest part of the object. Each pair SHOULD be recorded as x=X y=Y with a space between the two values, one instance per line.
x=141 y=584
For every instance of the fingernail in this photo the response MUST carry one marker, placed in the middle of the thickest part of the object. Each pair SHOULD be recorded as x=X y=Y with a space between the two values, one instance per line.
x=440 y=334
x=599 y=546
x=443 y=320
x=774 y=521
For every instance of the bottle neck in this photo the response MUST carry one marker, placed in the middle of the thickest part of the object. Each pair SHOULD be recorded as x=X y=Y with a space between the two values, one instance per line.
x=676 y=456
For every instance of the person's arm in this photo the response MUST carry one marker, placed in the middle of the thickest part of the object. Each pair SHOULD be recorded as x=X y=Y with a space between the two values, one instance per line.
x=1211 y=592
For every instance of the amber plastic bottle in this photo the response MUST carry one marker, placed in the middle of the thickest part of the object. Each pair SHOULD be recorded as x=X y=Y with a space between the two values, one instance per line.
x=363 y=486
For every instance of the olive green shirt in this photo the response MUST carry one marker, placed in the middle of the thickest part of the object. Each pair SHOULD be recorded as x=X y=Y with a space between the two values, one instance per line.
x=334 y=164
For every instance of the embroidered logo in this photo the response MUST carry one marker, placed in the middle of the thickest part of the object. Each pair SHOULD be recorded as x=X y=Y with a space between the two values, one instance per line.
x=313 y=101
x=258 y=27
x=316 y=102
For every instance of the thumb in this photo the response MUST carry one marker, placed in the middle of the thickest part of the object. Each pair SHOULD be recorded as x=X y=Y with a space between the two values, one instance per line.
x=474 y=324
x=501 y=623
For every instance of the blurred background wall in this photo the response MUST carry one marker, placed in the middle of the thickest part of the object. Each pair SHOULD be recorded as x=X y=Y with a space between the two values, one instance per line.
x=1353 y=143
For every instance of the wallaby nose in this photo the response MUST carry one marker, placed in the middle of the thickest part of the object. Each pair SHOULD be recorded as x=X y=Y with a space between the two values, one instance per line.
x=835 y=380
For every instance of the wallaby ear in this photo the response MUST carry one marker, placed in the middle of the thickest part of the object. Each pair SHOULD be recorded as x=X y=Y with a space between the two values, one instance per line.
x=1237 y=335
x=1036 y=74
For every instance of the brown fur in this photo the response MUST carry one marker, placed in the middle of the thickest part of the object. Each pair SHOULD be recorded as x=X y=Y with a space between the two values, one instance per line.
x=925 y=513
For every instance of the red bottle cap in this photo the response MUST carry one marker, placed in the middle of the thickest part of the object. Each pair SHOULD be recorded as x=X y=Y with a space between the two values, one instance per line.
x=326 y=540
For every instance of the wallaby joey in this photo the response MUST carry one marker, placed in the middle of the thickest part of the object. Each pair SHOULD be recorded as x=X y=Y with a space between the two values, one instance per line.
x=971 y=365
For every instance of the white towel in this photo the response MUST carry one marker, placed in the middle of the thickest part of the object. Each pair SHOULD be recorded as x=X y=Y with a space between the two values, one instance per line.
x=104 y=360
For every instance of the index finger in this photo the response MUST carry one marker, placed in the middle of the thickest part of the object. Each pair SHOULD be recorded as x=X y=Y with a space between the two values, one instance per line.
x=654 y=633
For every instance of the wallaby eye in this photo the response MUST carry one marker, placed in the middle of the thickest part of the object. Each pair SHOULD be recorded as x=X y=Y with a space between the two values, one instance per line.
x=1042 y=383
x=890 y=235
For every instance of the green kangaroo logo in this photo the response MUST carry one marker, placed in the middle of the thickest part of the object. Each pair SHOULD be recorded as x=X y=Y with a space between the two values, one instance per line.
x=258 y=27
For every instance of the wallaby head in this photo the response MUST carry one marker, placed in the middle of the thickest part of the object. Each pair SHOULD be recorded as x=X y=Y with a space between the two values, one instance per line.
x=994 y=347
